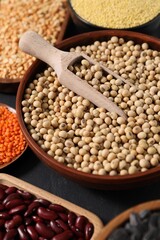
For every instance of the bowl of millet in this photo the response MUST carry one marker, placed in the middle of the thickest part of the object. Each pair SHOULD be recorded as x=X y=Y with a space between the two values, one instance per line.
x=140 y=16
x=87 y=144
x=139 y=222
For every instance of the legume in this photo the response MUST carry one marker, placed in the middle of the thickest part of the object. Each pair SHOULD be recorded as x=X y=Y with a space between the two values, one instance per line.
x=12 y=141
x=43 y=16
x=116 y=14
x=24 y=216
x=91 y=139
x=140 y=226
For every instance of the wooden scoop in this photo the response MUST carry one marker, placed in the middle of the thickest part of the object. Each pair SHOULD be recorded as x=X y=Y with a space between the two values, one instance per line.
x=33 y=44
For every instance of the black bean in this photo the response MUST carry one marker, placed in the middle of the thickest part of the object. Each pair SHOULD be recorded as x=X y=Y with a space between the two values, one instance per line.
x=151 y=234
x=134 y=231
x=137 y=235
x=119 y=234
x=153 y=220
x=134 y=219
x=144 y=214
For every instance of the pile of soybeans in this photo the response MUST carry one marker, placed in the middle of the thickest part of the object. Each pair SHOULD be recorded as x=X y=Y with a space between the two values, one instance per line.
x=82 y=136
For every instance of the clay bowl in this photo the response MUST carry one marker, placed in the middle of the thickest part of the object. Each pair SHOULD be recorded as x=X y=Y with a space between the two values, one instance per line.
x=88 y=180
x=151 y=27
x=10 y=85
x=124 y=216
x=11 y=181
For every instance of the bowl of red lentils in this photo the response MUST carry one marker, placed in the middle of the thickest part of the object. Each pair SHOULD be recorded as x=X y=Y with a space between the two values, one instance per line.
x=12 y=141
x=138 y=222
x=140 y=16
x=87 y=144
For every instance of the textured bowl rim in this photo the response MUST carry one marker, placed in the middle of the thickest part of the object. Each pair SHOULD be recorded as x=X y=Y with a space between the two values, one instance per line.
x=89 y=24
x=106 y=180
x=123 y=217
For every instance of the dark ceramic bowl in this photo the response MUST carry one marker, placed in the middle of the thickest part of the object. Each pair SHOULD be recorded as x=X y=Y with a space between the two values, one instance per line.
x=86 y=179
x=151 y=28
x=124 y=217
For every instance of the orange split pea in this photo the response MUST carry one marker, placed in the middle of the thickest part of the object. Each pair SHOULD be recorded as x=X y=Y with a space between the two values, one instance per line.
x=12 y=141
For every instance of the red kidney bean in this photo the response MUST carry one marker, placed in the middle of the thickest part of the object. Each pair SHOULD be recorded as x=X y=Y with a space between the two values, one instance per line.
x=89 y=228
x=28 y=221
x=63 y=216
x=44 y=230
x=56 y=228
x=62 y=224
x=14 y=203
x=23 y=234
x=2 y=186
x=2 y=222
x=18 y=209
x=14 y=222
x=25 y=194
x=4 y=215
x=32 y=207
x=11 y=196
x=27 y=201
x=71 y=218
x=42 y=238
x=46 y=213
x=81 y=222
x=57 y=207
x=44 y=202
x=1 y=207
x=10 y=235
x=32 y=232
x=2 y=235
x=66 y=235
x=77 y=231
x=37 y=219
x=10 y=190
x=2 y=194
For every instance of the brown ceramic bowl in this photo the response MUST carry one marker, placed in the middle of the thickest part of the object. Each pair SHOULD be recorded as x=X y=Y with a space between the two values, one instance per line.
x=151 y=27
x=123 y=217
x=88 y=180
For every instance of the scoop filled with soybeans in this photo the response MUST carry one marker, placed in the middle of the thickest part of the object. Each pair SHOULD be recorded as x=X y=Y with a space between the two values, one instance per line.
x=35 y=45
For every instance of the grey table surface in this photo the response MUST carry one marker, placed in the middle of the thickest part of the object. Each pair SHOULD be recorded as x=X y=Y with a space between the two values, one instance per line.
x=105 y=204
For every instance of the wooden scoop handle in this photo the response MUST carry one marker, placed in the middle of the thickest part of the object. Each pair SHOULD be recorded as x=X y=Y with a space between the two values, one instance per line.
x=33 y=44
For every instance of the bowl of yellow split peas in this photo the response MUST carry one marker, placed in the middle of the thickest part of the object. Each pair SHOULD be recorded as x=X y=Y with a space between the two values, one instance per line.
x=88 y=144
x=140 y=16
